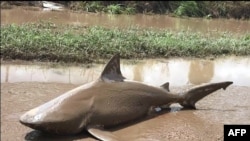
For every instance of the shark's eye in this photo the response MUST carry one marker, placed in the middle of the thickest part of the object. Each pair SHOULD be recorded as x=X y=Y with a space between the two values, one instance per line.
x=157 y=109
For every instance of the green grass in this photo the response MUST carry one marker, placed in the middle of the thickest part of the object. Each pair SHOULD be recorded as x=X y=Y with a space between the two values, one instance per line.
x=206 y=9
x=45 y=42
x=101 y=6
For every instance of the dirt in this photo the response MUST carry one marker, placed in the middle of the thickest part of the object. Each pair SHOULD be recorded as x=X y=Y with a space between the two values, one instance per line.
x=223 y=107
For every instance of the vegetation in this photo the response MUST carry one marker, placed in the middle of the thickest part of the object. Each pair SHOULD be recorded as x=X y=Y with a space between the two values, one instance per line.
x=100 y=6
x=44 y=41
x=208 y=9
x=188 y=8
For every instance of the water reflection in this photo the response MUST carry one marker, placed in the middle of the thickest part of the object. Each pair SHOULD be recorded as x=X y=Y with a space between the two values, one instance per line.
x=20 y=15
x=201 y=71
x=152 y=71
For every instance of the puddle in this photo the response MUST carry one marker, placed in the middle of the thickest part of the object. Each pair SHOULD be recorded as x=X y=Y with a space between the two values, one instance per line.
x=155 y=72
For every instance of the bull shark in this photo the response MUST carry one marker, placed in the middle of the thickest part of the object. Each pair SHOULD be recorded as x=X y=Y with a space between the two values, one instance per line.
x=109 y=101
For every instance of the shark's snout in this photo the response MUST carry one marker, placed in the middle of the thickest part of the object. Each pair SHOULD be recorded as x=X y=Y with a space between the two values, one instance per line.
x=31 y=118
x=26 y=120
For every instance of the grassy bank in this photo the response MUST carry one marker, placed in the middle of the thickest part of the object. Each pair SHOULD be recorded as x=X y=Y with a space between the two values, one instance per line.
x=45 y=42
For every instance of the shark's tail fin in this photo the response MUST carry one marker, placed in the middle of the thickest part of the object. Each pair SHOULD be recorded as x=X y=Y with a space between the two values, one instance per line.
x=195 y=94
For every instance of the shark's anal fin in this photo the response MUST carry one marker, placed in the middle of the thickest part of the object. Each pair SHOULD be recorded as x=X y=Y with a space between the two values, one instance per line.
x=165 y=86
x=102 y=135
x=195 y=94
x=112 y=71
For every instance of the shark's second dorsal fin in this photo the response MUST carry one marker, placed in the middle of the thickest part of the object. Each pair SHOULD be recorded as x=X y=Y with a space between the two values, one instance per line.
x=165 y=86
x=112 y=71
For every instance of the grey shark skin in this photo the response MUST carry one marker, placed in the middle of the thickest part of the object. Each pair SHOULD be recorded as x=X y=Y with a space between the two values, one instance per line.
x=108 y=101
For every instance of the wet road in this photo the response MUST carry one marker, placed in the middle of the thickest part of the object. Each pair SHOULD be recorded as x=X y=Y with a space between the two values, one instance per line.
x=223 y=107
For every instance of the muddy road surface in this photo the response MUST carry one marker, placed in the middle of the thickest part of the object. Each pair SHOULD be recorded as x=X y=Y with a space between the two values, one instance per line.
x=222 y=107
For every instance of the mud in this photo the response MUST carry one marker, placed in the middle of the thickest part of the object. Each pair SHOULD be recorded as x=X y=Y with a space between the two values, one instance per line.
x=223 y=107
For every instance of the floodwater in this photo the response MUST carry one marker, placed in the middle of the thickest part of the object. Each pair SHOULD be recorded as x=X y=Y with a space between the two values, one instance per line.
x=21 y=15
x=25 y=86
x=155 y=72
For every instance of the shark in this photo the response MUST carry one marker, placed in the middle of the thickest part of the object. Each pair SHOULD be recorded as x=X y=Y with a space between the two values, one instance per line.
x=109 y=101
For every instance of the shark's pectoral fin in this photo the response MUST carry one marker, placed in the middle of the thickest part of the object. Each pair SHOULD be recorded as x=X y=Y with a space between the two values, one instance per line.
x=102 y=135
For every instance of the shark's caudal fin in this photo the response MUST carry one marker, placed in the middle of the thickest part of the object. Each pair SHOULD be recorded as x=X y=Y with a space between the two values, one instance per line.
x=111 y=71
x=195 y=94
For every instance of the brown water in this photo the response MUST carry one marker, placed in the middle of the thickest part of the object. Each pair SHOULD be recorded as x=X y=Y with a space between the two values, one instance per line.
x=26 y=86
x=21 y=15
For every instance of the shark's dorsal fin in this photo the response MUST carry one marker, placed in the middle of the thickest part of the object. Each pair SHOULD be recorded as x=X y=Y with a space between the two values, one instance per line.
x=165 y=86
x=111 y=71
